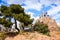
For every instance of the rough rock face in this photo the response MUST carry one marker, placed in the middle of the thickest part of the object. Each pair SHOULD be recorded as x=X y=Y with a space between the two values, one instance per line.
x=52 y=25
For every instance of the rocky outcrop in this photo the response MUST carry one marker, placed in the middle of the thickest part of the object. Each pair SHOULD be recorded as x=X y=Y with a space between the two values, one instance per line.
x=52 y=25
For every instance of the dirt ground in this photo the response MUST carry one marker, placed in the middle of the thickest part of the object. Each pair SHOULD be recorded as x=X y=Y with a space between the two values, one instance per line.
x=34 y=36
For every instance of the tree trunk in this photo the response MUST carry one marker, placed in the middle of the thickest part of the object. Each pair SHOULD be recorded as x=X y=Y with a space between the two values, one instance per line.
x=16 y=26
x=10 y=20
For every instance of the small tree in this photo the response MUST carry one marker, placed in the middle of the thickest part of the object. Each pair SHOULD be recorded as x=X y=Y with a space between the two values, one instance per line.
x=17 y=12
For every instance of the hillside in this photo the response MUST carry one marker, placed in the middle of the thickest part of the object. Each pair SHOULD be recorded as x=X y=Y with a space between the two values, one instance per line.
x=33 y=36
x=52 y=26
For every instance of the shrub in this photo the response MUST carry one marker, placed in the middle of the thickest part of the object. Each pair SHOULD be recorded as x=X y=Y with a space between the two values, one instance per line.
x=42 y=28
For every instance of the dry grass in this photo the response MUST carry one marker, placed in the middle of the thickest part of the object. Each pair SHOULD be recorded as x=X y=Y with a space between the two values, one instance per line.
x=2 y=36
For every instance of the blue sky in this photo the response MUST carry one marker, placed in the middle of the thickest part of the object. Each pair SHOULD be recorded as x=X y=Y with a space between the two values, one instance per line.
x=36 y=7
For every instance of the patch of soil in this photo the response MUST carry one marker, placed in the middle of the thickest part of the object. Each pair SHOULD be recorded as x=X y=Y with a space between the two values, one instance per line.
x=33 y=36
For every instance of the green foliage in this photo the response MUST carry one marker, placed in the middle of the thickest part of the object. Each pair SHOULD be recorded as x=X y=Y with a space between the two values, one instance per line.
x=42 y=28
x=3 y=8
x=17 y=12
x=23 y=18
x=16 y=8
x=5 y=22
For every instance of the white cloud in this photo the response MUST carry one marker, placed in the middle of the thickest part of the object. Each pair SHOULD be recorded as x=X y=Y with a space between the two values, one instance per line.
x=49 y=2
x=54 y=12
x=57 y=2
x=34 y=4
x=31 y=14
x=35 y=19
x=57 y=16
x=58 y=24
x=30 y=4
x=0 y=4
x=46 y=2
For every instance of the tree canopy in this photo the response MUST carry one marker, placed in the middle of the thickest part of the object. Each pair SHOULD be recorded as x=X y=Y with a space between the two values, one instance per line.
x=17 y=12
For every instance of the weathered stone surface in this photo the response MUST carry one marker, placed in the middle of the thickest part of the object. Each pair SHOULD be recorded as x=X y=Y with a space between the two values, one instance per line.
x=52 y=25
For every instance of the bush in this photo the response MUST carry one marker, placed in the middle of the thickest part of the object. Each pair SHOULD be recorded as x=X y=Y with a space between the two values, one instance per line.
x=42 y=28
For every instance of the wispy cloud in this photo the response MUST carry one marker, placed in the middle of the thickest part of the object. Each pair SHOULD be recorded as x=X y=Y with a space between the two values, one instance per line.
x=54 y=10
x=55 y=13
x=37 y=6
